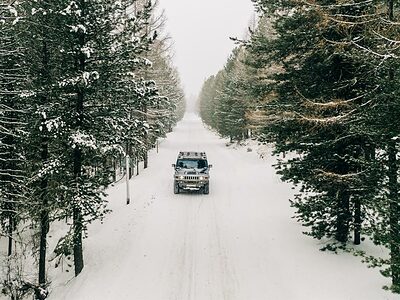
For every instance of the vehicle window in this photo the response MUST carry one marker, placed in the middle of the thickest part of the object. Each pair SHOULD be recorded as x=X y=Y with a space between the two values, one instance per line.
x=201 y=163
x=191 y=163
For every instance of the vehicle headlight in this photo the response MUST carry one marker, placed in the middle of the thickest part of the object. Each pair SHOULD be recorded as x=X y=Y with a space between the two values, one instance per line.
x=181 y=177
x=201 y=178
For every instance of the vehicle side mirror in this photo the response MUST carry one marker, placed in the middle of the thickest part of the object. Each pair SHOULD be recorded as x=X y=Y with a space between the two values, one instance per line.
x=173 y=165
x=209 y=166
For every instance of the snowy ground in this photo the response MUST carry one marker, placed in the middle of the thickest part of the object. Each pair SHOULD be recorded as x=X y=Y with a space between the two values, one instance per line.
x=237 y=243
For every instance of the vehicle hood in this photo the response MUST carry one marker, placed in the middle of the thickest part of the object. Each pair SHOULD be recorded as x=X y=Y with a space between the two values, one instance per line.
x=191 y=171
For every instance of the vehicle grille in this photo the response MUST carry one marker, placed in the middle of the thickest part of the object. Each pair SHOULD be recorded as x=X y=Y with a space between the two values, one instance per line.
x=191 y=178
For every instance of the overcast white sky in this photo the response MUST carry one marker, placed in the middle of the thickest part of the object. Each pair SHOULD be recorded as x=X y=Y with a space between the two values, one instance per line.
x=201 y=30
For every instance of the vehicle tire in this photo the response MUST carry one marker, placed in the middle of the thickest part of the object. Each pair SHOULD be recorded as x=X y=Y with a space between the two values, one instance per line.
x=206 y=189
x=176 y=188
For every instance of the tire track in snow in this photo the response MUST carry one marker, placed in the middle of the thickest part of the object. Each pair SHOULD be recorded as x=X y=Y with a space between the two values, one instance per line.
x=222 y=197
x=200 y=247
x=190 y=250
x=188 y=258
x=182 y=267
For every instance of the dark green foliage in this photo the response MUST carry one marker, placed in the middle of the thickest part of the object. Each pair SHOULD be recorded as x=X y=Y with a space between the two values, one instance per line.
x=320 y=82
x=222 y=101
x=207 y=101
x=77 y=93
x=325 y=97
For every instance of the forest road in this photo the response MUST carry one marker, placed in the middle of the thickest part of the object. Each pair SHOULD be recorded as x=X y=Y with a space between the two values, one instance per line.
x=237 y=243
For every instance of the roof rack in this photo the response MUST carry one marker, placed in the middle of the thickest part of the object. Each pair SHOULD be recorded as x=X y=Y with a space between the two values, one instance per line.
x=193 y=154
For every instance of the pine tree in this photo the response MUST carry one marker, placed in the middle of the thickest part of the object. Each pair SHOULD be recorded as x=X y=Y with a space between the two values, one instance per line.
x=41 y=58
x=332 y=102
x=232 y=102
x=12 y=84
x=161 y=108
x=207 y=101
x=382 y=121
x=170 y=106
x=322 y=91
x=74 y=98
x=320 y=83
x=85 y=98
x=223 y=101
x=132 y=92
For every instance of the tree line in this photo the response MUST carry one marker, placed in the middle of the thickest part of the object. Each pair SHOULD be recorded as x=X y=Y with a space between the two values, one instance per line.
x=83 y=84
x=319 y=80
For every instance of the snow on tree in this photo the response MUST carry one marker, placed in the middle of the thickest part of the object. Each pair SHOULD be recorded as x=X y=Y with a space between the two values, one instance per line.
x=223 y=99
x=320 y=84
x=72 y=102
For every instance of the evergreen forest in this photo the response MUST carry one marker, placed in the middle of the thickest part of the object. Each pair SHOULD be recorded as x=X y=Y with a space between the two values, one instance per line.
x=87 y=88
x=319 y=81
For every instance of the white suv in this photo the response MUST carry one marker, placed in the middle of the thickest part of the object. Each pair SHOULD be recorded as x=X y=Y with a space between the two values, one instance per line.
x=191 y=172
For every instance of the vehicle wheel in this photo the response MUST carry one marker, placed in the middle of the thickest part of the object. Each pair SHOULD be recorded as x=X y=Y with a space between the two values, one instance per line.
x=176 y=188
x=206 y=188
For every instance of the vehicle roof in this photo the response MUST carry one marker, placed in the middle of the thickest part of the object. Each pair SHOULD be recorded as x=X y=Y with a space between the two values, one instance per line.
x=192 y=154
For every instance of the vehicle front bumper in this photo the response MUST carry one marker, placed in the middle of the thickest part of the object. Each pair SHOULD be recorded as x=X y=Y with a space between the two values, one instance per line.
x=191 y=185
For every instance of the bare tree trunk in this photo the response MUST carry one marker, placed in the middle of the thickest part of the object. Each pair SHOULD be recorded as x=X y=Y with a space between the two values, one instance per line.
x=77 y=154
x=44 y=155
x=10 y=234
x=145 y=160
x=146 y=141
x=10 y=206
x=357 y=222
x=44 y=229
x=77 y=215
x=78 y=249
x=127 y=174
x=130 y=167
x=114 y=166
x=343 y=215
x=44 y=218
x=394 y=213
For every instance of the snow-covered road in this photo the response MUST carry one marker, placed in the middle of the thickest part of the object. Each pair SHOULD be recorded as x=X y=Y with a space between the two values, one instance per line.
x=237 y=243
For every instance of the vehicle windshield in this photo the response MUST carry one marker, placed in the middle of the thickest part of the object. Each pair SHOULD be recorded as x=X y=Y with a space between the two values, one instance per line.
x=191 y=163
